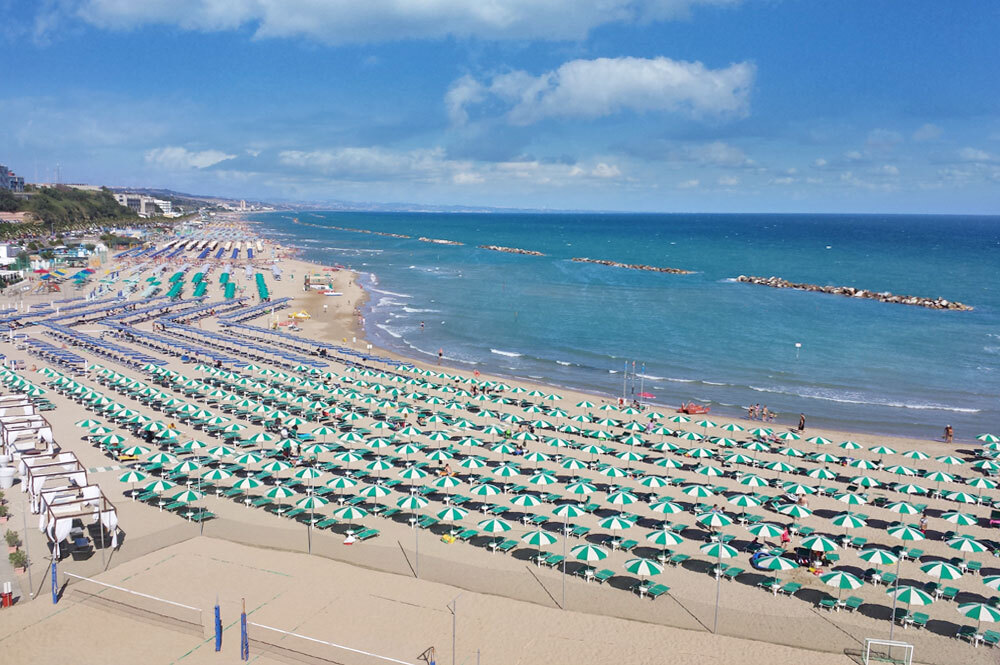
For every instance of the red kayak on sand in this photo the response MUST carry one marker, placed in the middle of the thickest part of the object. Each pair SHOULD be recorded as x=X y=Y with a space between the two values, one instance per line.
x=692 y=408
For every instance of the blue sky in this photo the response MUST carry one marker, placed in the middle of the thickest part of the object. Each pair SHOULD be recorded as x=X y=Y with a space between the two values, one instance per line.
x=647 y=105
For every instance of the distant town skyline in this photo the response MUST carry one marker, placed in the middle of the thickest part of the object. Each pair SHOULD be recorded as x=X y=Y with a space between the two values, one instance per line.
x=632 y=105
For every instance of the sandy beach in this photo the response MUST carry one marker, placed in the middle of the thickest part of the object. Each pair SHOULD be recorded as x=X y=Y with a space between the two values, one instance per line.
x=389 y=596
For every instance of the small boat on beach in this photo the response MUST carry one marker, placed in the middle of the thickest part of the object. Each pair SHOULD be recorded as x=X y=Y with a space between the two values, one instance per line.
x=691 y=408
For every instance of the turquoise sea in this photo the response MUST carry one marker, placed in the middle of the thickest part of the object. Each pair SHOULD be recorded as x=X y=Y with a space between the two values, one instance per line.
x=861 y=365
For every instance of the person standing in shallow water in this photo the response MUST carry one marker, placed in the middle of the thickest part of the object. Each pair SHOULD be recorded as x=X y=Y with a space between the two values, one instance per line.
x=802 y=422
x=949 y=434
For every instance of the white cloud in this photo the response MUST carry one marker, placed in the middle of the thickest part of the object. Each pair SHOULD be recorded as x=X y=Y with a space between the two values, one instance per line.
x=974 y=155
x=717 y=153
x=820 y=163
x=605 y=86
x=464 y=178
x=783 y=180
x=729 y=181
x=339 y=21
x=368 y=163
x=688 y=184
x=888 y=169
x=176 y=158
x=883 y=139
x=607 y=171
x=927 y=132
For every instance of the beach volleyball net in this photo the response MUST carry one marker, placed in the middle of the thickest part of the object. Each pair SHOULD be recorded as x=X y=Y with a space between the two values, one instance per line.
x=135 y=604
x=275 y=641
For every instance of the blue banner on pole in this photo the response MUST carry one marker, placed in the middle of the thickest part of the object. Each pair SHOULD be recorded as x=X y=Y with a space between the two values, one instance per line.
x=244 y=638
x=55 y=583
x=218 y=628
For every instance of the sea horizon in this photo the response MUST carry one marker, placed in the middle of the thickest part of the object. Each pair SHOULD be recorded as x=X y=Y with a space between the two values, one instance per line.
x=546 y=312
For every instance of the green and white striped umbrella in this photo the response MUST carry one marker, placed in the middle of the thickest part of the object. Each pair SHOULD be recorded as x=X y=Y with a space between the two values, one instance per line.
x=568 y=510
x=902 y=508
x=588 y=553
x=220 y=451
x=349 y=513
x=247 y=484
x=87 y=423
x=962 y=497
x=506 y=471
x=378 y=465
x=412 y=502
x=980 y=612
x=581 y=488
x=714 y=519
x=950 y=460
x=905 y=532
x=162 y=458
x=992 y=581
x=472 y=463
x=719 y=550
x=539 y=538
x=132 y=476
x=159 y=486
x=494 y=526
x=341 y=483
x=484 y=489
x=213 y=475
x=664 y=538
x=187 y=496
x=249 y=458
x=776 y=563
x=981 y=483
x=752 y=480
x=526 y=501
x=446 y=482
x=187 y=466
x=819 y=544
x=916 y=455
x=765 y=530
x=878 y=556
x=643 y=567
x=819 y=441
x=848 y=521
x=135 y=451
x=279 y=492
x=988 y=438
x=744 y=501
x=111 y=439
x=852 y=499
x=819 y=473
x=654 y=482
x=276 y=466
x=666 y=507
x=544 y=478
x=698 y=491
x=794 y=510
x=308 y=473
x=965 y=544
x=615 y=523
x=911 y=596
x=942 y=570
x=374 y=491
x=710 y=471
x=621 y=498
x=99 y=430
x=452 y=514
x=962 y=519
x=841 y=580
x=412 y=473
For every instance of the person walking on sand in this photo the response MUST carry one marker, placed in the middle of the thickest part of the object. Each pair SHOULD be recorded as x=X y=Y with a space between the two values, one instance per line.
x=949 y=434
x=802 y=422
x=440 y=355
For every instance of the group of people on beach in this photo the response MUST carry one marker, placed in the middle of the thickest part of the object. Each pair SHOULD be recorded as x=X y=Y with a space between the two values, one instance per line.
x=761 y=413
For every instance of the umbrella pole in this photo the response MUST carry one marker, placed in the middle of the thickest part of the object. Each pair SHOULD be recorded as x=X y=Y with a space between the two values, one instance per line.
x=416 y=544
x=565 y=537
x=892 y=617
x=718 y=585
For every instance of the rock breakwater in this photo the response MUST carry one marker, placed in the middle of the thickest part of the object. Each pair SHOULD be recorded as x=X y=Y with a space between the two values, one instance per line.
x=510 y=250
x=851 y=292
x=633 y=266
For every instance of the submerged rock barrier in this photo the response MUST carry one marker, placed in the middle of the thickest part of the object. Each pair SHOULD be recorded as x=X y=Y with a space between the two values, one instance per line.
x=510 y=250
x=439 y=241
x=632 y=266
x=851 y=292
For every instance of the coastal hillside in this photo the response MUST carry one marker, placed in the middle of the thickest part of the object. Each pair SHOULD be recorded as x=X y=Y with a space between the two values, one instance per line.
x=55 y=209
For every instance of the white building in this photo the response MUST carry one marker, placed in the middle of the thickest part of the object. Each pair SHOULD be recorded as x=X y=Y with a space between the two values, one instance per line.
x=145 y=206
